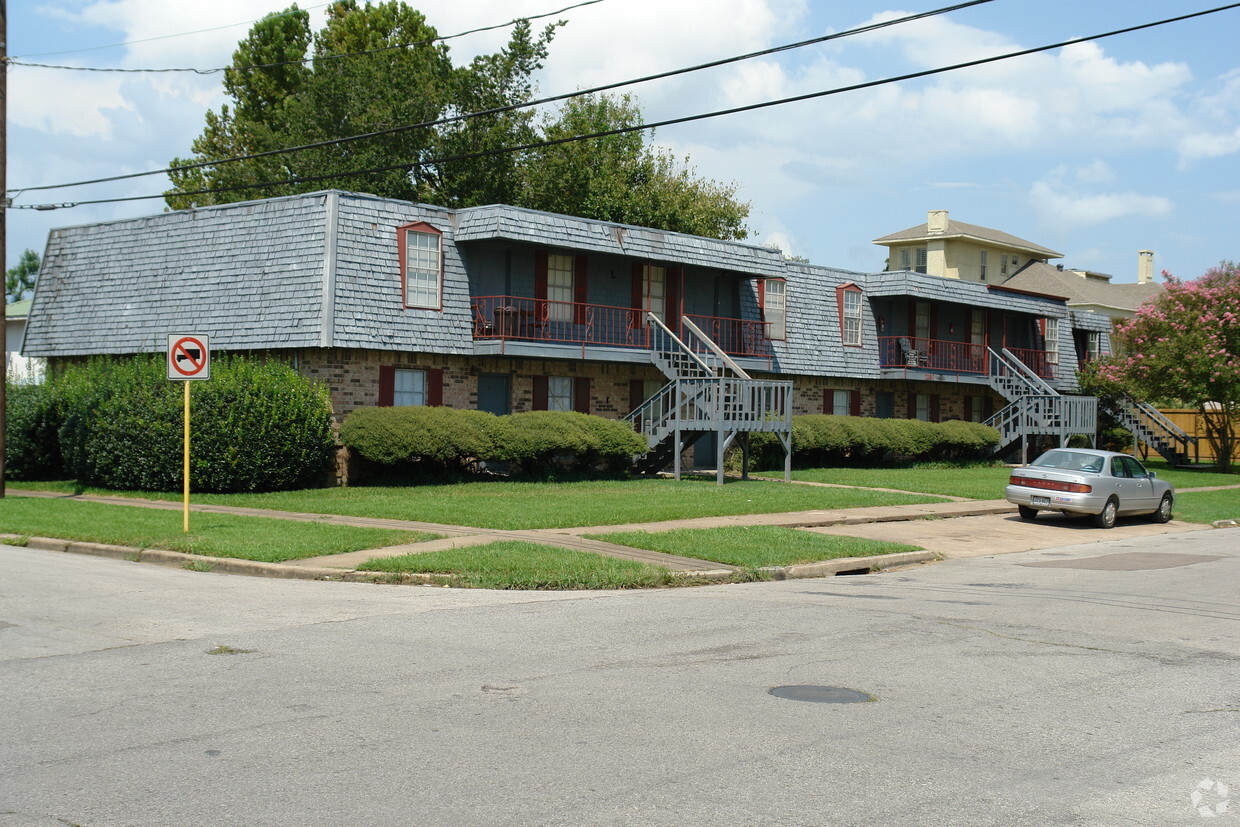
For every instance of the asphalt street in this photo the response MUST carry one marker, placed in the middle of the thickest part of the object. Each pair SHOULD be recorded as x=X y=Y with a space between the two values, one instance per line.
x=1086 y=684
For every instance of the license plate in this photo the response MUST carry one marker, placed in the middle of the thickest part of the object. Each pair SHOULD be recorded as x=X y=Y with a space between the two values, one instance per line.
x=1040 y=500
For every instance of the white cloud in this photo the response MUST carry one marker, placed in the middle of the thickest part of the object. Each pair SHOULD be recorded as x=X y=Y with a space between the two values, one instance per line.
x=1208 y=145
x=67 y=103
x=1063 y=200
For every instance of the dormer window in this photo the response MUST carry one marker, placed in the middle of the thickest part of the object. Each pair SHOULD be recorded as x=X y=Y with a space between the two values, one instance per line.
x=420 y=248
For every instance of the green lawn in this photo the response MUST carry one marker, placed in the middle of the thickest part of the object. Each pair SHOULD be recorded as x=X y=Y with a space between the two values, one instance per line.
x=519 y=565
x=979 y=482
x=752 y=546
x=1208 y=506
x=213 y=535
x=517 y=505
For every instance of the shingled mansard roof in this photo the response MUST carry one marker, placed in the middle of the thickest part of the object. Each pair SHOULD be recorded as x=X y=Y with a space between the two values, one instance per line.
x=970 y=232
x=322 y=270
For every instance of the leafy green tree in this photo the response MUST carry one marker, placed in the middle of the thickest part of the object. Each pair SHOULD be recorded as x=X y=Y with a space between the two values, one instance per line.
x=373 y=88
x=1185 y=345
x=279 y=104
x=20 y=278
x=620 y=178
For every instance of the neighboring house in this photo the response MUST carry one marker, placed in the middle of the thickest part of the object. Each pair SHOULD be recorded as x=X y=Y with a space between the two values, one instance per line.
x=505 y=309
x=956 y=250
x=21 y=369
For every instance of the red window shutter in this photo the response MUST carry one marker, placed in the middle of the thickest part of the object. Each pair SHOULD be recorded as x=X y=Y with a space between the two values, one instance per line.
x=637 y=393
x=539 y=402
x=934 y=407
x=540 y=284
x=638 y=297
x=580 y=290
x=828 y=401
x=762 y=294
x=387 y=385
x=581 y=394
x=434 y=387
x=854 y=403
x=673 y=297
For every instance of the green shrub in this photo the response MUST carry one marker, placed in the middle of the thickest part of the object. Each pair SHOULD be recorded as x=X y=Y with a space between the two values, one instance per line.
x=397 y=435
x=31 y=434
x=823 y=440
x=255 y=426
x=539 y=441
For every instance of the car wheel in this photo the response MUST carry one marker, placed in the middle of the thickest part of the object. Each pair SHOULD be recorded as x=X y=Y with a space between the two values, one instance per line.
x=1163 y=514
x=1106 y=518
x=1027 y=513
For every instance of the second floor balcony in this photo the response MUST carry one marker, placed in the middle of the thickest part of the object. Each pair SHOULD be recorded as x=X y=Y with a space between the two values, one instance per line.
x=525 y=319
x=910 y=353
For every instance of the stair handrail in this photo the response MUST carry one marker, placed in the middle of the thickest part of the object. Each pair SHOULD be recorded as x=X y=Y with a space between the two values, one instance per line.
x=688 y=350
x=1157 y=415
x=714 y=348
x=1013 y=363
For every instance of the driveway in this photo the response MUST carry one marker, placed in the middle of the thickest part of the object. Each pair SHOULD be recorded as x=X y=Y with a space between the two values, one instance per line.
x=1004 y=533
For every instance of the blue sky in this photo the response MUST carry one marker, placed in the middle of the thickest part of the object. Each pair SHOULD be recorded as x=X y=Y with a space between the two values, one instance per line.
x=1097 y=151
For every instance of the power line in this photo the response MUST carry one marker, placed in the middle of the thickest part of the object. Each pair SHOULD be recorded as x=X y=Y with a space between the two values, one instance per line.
x=512 y=107
x=655 y=125
x=321 y=58
x=158 y=37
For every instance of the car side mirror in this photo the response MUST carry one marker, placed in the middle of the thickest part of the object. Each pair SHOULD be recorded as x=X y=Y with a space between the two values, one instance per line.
x=1151 y=474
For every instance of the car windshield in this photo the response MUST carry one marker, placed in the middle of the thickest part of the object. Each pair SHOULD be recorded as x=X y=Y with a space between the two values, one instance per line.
x=1070 y=461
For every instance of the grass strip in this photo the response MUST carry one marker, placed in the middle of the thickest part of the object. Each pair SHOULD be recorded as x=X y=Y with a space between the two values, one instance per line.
x=512 y=564
x=978 y=482
x=1207 y=506
x=753 y=546
x=519 y=505
x=214 y=535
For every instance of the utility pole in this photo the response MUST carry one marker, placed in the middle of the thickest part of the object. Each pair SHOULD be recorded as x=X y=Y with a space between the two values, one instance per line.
x=4 y=210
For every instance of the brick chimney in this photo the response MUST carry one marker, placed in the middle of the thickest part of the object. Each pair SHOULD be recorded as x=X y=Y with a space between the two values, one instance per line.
x=936 y=222
x=1145 y=266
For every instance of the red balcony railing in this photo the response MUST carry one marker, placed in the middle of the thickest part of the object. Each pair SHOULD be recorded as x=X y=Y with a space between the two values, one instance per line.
x=520 y=318
x=951 y=357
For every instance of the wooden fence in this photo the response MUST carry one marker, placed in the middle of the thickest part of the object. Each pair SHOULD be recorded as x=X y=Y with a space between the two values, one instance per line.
x=1190 y=421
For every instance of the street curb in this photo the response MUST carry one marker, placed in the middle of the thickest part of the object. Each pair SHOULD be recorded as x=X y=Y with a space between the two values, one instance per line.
x=216 y=565
x=849 y=565
x=253 y=568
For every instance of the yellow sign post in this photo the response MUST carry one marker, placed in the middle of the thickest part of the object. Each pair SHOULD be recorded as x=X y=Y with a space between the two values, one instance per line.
x=189 y=359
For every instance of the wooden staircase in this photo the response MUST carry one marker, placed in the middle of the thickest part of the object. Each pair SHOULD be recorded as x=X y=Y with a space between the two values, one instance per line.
x=707 y=392
x=1035 y=408
x=1155 y=430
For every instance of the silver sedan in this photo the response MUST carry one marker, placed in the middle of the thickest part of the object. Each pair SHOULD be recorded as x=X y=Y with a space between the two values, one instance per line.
x=1103 y=484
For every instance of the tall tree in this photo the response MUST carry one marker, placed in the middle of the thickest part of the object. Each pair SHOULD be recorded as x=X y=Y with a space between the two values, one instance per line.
x=621 y=178
x=1184 y=346
x=20 y=278
x=357 y=85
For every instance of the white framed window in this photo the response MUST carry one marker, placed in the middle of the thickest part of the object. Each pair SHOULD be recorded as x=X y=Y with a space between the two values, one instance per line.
x=654 y=283
x=906 y=260
x=852 y=317
x=977 y=327
x=409 y=387
x=1093 y=345
x=422 y=263
x=841 y=403
x=1052 y=341
x=559 y=393
x=921 y=260
x=922 y=407
x=981 y=265
x=775 y=308
x=559 y=287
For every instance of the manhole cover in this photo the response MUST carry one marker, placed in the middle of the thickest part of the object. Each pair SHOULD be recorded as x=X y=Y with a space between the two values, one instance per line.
x=822 y=694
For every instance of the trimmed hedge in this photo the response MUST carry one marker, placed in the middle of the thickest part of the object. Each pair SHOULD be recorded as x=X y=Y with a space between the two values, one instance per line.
x=446 y=438
x=255 y=426
x=31 y=441
x=827 y=440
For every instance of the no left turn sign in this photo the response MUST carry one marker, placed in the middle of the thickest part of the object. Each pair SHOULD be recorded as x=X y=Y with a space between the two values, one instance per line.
x=189 y=357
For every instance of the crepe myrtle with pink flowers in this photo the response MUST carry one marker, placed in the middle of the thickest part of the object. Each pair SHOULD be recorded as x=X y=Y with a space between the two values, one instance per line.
x=1184 y=345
